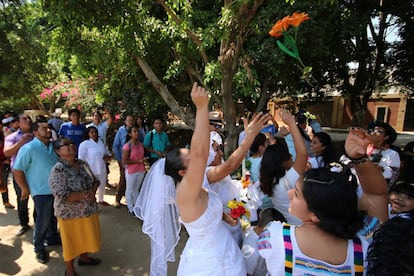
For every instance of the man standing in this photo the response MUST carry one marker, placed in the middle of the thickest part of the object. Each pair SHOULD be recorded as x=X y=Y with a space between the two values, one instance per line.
x=156 y=141
x=12 y=145
x=56 y=121
x=119 y=142
x=73 y=130
x=32 y=167
x=102 y=126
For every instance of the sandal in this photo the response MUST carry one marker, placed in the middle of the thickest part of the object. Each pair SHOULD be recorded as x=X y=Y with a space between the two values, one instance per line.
x=92 y=261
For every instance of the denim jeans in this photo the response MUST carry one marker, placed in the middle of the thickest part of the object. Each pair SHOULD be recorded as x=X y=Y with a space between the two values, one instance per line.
x=45 y=223
x=22 y=209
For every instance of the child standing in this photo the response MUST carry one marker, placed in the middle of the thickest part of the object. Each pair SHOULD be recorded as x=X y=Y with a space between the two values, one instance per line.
x=133 y=158
x=256 y=265
x=401 y=198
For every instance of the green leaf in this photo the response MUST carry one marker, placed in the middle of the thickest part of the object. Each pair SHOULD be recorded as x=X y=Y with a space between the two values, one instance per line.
x=286 y=50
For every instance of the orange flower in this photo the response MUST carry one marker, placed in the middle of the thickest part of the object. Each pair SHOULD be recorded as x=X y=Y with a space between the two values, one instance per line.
x=297 y=18
x=280 y=26
x=283 y=24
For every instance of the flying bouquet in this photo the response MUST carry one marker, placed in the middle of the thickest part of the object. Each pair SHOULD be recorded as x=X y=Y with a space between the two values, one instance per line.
x=287 y=42
x=237 y=209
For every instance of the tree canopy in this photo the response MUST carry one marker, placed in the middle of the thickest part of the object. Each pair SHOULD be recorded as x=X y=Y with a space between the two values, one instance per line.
x=142 y=56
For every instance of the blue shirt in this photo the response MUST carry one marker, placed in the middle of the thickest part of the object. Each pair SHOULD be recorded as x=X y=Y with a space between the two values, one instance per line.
x=119 y=142
x=255 y=168
x=269 y=129
x=36 y=160
x=159 y=142
x=76 y=133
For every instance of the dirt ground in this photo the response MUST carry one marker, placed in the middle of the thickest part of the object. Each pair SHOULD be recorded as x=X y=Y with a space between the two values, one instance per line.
x=125 y=249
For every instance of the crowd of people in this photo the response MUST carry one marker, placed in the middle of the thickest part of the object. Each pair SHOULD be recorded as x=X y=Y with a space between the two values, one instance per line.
x=63 y=167
x=315 y=212
x=334 y=210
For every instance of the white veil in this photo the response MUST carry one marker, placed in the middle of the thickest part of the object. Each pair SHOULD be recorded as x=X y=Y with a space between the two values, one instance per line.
x=156 y=206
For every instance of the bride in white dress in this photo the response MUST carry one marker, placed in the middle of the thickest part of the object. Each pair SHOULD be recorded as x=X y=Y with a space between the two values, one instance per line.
x=210 y=249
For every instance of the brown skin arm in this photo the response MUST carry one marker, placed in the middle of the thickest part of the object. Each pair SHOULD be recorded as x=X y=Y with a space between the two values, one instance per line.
x=301 y=153
x=21 y=181
x=217 y=173
x=375 y=195
x=13 y=149
x=191 y=199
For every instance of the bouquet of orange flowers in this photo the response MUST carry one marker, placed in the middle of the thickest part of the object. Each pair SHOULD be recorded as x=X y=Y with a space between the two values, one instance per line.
x=281 y=29
x=237 y=209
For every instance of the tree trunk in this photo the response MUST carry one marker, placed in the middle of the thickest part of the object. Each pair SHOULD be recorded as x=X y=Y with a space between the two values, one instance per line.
x=228 y=107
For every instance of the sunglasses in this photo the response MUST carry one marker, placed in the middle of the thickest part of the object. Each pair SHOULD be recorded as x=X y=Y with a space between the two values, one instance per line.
x=376 y=131
x=66 y=144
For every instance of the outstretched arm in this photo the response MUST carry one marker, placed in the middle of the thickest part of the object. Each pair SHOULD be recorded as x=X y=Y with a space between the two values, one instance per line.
x=374 y=199
x=301 y=153
x=188 y=199
x=218 y=172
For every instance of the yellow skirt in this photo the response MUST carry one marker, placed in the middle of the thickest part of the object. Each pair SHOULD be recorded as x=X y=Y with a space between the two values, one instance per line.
x=80 y=235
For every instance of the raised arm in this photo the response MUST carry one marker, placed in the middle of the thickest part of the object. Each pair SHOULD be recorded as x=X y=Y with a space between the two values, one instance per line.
x=188 y=190
x=375 y=197
x=11 y=148
x=218 y=172
x=300 y=148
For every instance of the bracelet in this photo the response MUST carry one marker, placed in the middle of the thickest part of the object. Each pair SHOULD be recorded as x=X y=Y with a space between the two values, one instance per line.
x=360 y=160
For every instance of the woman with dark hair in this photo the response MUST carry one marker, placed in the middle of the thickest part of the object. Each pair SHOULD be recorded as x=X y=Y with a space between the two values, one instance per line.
x=94 y=152
x=256 y=152
x=74 y=185
x=142 y=128
x=210 y=249
x=134 y=161
x=323 y=151
x=278 y=173
x=326 y=201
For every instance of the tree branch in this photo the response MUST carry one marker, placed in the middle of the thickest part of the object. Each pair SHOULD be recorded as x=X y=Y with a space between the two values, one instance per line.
x=189 y=32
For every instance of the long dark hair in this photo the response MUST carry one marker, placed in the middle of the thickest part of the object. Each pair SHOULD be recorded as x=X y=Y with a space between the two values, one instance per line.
x=328 y=155
x=129 y=131
x=173 y=164
x=392 y=247
x=260 y=140
x=331 y=194
x=271 y=166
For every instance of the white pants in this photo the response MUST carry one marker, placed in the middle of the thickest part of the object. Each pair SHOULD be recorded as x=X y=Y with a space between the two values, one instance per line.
x=102 y=183
x=133 y=183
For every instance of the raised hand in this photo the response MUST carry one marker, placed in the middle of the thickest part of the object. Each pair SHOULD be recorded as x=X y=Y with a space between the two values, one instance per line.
x=287 y=117
x=258 y=122
x=356 y=142
x=283 y=131
x=199 y=96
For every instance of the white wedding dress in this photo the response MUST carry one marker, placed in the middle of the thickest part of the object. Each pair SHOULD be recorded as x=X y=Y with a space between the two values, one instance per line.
x=211 y=250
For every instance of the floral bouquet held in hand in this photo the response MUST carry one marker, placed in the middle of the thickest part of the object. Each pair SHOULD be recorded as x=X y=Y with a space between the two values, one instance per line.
x=237 y=209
